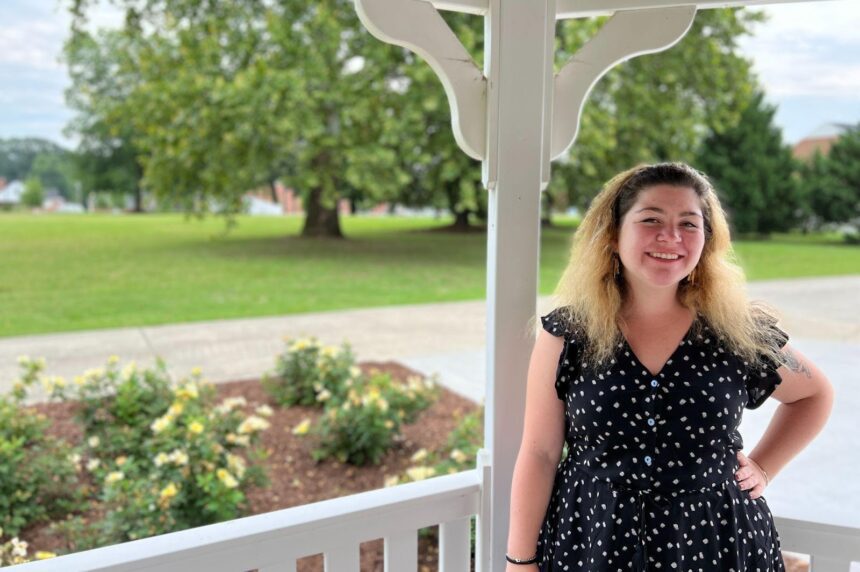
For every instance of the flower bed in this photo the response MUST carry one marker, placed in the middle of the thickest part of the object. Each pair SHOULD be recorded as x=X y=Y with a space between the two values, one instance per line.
x=294 y=477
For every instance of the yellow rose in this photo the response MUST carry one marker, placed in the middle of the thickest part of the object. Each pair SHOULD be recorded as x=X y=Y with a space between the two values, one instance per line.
x=114 y=477
x=459 y=456
x=302 y=428
x=168 y=493
x=391 y=481
x=420 y=473
x=225 y=477
x=160 y=424
x=196 y=428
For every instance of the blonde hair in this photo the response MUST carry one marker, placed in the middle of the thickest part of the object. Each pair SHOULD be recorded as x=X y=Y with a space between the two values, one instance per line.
x=590 y=294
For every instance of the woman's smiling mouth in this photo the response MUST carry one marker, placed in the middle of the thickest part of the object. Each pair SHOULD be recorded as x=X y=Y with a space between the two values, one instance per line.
x=664 y=255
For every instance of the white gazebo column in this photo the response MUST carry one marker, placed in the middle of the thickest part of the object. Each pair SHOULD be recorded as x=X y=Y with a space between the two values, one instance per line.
x=518 y=62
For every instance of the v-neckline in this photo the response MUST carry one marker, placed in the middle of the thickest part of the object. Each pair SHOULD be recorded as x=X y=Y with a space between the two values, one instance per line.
x=669 y=359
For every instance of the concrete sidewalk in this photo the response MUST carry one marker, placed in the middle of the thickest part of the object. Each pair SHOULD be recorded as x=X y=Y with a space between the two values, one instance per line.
x=821 y=315
x=441 y=338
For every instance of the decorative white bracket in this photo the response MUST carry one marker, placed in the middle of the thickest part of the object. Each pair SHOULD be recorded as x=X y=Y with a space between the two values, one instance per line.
x=625 y=35
x=418 y=26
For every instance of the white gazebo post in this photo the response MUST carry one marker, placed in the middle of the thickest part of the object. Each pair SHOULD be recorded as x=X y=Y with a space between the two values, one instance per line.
x=516 y=117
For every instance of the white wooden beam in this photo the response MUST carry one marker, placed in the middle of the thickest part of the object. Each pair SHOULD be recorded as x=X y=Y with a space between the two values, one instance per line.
x=588 y=8
x=478 y=7
x=418 y=26
x=625 y=35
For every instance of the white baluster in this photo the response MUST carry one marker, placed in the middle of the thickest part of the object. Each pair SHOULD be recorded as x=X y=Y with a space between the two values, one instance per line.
x=401 y=551
x=343 y=558
x=825 y=564
x=454 y=546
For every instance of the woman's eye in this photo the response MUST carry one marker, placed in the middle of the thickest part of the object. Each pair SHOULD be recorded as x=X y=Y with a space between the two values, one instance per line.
x=691 y=225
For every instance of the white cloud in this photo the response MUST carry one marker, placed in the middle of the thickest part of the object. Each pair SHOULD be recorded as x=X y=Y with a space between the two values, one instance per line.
x=808 y=49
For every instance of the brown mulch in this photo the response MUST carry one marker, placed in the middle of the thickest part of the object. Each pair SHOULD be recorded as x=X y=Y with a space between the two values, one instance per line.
x=296 y=479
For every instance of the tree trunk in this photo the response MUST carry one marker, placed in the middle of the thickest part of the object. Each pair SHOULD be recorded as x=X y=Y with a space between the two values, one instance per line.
x=461 y=220
x=274 y=189
x=546 y=210
x=138 y=199
x=320 y=221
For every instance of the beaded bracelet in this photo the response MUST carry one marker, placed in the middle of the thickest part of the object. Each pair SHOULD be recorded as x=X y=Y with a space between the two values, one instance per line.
x=531 y=560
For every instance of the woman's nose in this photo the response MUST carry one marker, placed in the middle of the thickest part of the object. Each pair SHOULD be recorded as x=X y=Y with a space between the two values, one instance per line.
x=670 y=234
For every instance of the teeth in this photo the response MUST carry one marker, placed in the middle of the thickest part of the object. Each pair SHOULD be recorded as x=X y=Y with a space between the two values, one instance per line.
x=664 y=256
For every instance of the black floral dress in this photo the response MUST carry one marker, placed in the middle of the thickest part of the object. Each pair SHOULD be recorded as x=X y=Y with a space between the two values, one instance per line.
x=648 y=482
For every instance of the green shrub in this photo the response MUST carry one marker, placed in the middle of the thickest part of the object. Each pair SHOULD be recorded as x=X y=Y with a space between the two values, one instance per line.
x=38 y=477
x=459 y=453
x=165 y=456
x=362 y=425
x=308 y=370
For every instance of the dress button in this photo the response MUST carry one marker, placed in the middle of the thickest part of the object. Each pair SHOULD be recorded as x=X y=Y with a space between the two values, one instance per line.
x=654 y=383
x=648 y=461
x=651 y=422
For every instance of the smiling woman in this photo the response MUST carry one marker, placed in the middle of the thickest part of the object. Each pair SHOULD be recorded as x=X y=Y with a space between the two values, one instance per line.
x=644 y=371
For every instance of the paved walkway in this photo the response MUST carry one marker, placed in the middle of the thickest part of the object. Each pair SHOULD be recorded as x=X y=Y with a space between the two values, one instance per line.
x=822 y=316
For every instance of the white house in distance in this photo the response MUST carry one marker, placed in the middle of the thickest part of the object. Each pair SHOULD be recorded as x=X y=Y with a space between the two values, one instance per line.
x=10 y=194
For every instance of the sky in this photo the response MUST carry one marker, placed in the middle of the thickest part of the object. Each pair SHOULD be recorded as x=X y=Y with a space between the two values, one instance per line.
x=807 y=56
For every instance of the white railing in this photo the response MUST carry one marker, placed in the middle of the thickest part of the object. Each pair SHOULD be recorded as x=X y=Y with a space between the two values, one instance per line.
x=273 y=542
x=335 y=528
x=831 y=548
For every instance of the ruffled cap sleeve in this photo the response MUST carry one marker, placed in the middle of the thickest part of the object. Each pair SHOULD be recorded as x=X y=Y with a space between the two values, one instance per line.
x=558 y=325
x=763 y=378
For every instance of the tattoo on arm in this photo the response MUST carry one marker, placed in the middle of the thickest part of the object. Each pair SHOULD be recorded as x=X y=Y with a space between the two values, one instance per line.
x=794 y=364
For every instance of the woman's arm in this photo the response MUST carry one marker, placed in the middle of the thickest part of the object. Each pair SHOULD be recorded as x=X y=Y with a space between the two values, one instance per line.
x=807 y=399
x=540 y=449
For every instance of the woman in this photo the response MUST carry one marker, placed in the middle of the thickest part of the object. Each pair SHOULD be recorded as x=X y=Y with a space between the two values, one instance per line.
x=644 y=370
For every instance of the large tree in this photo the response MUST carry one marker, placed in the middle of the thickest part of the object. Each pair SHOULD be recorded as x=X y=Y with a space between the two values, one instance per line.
x=844 y=162
x=232 y=95
x=106 y=160
x=17 y=155
x=831 y=183
x=754 y=171
x=651 y=108
x=658 y=107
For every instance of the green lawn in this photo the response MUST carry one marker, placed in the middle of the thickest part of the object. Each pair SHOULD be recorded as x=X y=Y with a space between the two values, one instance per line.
x=75 y=272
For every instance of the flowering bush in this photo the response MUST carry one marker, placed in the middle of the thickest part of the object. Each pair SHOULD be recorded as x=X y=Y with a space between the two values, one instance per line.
x=165 y=455
x=37 y=474
x=360 y=427
x=459 y=453
x=14 y=551
x=308 y=370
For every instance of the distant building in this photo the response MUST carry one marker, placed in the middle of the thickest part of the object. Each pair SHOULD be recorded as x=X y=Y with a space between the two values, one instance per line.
x=10 y=195
x=289 y=202
x=821 y=140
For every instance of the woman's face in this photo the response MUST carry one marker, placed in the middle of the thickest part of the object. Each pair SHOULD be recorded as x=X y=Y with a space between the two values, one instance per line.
x=662 y=236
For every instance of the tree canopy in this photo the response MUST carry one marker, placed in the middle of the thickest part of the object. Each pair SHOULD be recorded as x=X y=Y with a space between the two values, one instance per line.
x=212 y=99
x=753 y=171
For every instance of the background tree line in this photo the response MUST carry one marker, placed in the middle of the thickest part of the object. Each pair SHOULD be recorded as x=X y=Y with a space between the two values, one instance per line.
x=198 y=102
